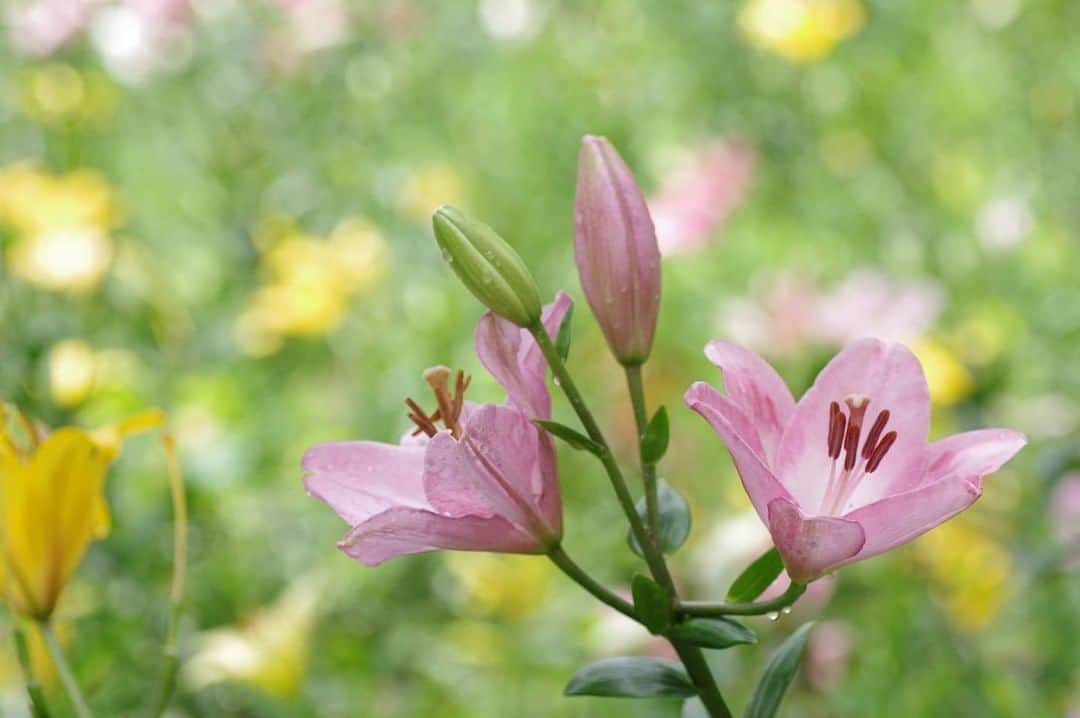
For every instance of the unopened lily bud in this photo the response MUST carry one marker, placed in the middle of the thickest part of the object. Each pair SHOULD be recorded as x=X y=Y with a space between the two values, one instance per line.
x=615 y=247
x=488 y=266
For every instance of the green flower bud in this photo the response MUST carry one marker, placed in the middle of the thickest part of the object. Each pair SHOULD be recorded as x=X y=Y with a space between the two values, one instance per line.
x=488 y=266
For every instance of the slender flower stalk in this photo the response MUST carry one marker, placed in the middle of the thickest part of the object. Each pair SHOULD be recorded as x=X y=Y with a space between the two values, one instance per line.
x=167 y=681
x=711 y=608
x=648 y=469
x=578 y=575
x=691 y=656
x=38 y=707
x=67 y=678
x=653 y=557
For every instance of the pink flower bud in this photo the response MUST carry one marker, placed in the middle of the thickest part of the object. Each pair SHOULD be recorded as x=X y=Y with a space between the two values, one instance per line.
x=616 y=251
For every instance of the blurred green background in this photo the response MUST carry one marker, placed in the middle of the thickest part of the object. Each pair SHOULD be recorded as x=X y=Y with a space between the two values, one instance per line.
x=220 y=208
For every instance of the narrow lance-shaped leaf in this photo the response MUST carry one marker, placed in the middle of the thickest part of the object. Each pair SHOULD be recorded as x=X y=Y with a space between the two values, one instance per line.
x=674 y=520
x=565 y=335
x=757 y=577
x=778 y=674
x=631 y=677
x=712 y=632
x=650 y=603
x=654 y=442
x=575 y=439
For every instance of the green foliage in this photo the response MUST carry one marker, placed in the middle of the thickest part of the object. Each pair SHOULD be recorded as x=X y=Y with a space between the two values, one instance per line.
x=651 y=603
x=757 y=577
x=778 y=674
x=712 y=632
x=631 y=677
x=674 y=519
x=654 y=443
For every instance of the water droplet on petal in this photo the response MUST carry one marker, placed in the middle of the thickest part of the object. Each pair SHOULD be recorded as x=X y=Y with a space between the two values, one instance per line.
x=786 y=610
x=773 y=615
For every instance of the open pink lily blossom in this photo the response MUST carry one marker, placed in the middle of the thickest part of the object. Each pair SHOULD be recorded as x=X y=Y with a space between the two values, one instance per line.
x=485 y=481
x=847 y=472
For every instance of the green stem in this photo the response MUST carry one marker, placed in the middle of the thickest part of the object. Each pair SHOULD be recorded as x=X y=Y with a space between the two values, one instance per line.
x=648 y=469
x=38 y=707
x=710 y=608
x=559 y=557
x=170 y=659
x=700 y=673
x=66 y=677
x=691 y=656
x=653 y=557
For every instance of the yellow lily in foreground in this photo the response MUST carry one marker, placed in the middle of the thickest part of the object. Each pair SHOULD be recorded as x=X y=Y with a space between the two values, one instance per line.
x=52 y=504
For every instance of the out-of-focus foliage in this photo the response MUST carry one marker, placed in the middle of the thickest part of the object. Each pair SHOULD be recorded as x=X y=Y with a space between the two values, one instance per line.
x=221 y=208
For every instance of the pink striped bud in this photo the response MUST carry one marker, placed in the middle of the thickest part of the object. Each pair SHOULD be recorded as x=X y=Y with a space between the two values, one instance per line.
x=615 y=247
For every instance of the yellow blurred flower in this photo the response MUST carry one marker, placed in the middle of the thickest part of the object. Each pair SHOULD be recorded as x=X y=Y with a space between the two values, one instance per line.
x=801 y=30
x=53 y=504
x=430 y=187
x=969 y=570
x=61 y=223
x=269 y=651
x=310 y=281
x=505 y=585
x=71 y=371
x=949 y=380
x=57 y=92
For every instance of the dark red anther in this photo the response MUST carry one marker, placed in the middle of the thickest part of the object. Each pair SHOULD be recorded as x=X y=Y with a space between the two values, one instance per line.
x=857 y=404
x=879 y=452
x=875 y=432
x=837 y=424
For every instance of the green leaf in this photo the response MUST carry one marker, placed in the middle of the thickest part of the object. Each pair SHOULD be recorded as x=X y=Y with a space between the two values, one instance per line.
x=694 y=708
x=574 y=438
x=674 y=520
x=650 y=603
x=566 y=331
x=712 y=632
x=757 y=577
x=778 y=674
x=631 y=677
x=654 y=442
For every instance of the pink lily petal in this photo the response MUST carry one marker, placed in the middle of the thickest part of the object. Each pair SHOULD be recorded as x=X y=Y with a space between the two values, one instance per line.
x=757 y=390
x=811 y=547
x=493 y=470
x=359 y=479
x=404 y=530
x=514 y=359
x=898 y=519
x=893 y=379
x=733 y=427
x=973 y=454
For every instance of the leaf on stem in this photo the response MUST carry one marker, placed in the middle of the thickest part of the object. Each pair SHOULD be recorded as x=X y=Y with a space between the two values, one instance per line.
x=631 y=677
x=674 y=520
x=778 y=674
x=654 y=442
x=565 y=334
x=694 y=708
x=712 y=632
x=650 y=603
x=574 y=438
x=757 y=577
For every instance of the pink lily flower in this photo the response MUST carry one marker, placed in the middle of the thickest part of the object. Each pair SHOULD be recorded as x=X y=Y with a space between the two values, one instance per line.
x=486 y=481
x=846 y=473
